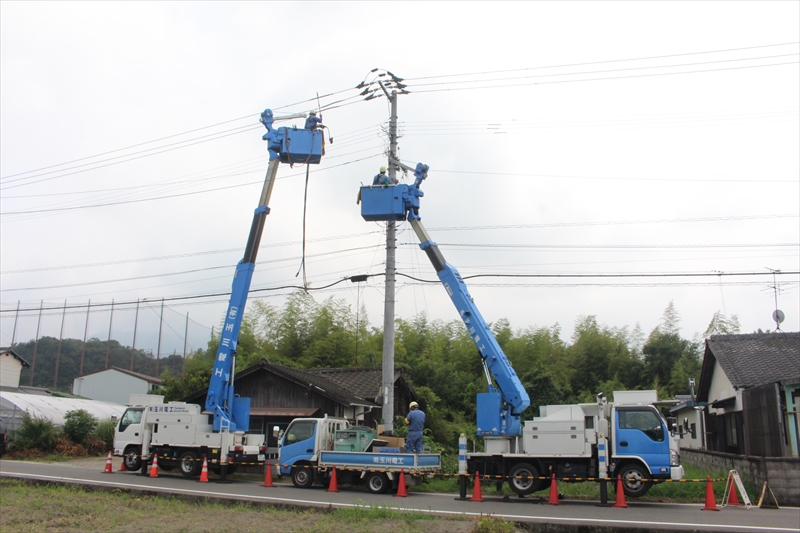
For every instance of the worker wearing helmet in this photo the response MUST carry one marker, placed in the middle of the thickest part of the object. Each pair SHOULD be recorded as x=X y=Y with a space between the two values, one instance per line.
x=416 y=422
x=313 y=121
x=381 y=178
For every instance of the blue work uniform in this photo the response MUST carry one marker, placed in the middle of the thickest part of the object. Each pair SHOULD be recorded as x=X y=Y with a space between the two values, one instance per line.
x=312 y=122
x=381 y=179
x=416 y=422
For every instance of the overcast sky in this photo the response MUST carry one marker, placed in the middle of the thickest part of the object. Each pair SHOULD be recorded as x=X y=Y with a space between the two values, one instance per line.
x=563 y=138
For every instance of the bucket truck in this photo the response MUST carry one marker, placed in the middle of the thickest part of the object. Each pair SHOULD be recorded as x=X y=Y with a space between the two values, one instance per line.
x=628 y=437
x=183 y=434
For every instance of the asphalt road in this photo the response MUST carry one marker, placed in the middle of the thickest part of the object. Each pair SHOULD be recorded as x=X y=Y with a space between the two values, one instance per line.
x=649 y=516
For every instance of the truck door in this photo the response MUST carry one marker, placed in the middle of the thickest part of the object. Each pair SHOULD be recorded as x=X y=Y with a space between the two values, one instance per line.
x=298 y=444
x=129 y=430
x=640 y=433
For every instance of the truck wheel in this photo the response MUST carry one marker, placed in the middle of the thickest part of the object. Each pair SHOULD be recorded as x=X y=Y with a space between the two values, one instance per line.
x=524 y=479
x=302 y=477
x=133 y=459
x=378 y=483
x=632 y=476
x=189 y=463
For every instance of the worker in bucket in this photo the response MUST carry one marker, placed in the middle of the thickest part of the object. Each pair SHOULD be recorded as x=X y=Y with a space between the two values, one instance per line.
x=416 y=422
x=381 y=178
x=313 y=121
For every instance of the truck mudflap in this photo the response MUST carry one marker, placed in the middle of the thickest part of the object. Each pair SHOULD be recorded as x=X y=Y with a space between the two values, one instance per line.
x=427 y=462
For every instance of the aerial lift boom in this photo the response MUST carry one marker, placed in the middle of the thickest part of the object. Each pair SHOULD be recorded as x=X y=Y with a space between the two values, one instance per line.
x=287 y=145
x=500 y=409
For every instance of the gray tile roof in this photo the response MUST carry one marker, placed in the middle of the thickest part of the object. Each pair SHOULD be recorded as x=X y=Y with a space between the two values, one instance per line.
x=363 y=382
x=755 y=359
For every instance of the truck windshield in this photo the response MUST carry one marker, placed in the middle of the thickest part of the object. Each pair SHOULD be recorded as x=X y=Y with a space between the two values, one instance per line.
x=131 y=416
x=299 y=430
x=644 y=420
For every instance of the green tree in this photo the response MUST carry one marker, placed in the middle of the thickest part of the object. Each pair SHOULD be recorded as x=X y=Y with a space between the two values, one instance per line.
x=34 y=433
x=541 y=388
x=721 y=325
x=79 y=425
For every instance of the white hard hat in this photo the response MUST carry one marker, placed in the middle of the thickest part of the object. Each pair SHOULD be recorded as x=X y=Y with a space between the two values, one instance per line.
x=412 y=405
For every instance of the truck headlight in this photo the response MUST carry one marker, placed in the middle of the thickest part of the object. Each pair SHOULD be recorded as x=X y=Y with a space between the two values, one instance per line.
x=674 y=458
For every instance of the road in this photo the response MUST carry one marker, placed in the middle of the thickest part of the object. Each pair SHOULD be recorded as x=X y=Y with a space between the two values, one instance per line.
x=638 y=516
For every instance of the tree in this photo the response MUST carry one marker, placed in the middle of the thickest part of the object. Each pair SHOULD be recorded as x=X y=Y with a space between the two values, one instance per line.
x=720 y=325
x=541 y=388
x=79 y=425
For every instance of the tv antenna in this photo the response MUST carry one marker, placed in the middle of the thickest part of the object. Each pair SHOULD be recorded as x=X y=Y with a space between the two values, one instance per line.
x=778 y=316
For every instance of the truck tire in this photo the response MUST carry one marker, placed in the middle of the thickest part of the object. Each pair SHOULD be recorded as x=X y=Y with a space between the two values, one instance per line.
x=302 y=477
x=133 y=459
x=524 y=479
x=378 y=483
x=189 y=463
x=635 y=487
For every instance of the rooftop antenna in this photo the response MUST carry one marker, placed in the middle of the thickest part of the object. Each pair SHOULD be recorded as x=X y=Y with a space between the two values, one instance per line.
x=777 y=315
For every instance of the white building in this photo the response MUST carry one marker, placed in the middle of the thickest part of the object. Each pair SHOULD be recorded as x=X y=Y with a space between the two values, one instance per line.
x=114 y=385
x=11 y=366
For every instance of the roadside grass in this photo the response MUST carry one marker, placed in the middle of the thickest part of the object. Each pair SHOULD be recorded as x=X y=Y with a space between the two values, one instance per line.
x=26 y=508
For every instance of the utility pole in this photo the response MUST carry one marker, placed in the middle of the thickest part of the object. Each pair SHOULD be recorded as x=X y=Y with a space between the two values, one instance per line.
x=185 y=341
x=110 y=323
x=389 y=290
x=135 y=325
x=393 y=83
x=14 y=334
x=36 y=344
x=160 y=329
x=58 y=352
x=85 y=332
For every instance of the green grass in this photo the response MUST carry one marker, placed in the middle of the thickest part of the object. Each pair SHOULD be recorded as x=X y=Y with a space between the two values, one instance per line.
x=28 y=508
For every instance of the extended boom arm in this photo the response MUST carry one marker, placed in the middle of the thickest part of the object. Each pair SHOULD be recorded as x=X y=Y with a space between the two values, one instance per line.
x=232 y=412
x=500 y=409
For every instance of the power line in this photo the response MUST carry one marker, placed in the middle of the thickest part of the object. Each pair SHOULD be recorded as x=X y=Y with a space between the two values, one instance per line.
x=606 y=61
x=603 y=79
x=169 y=196
x=120 y=304
x=603 y=71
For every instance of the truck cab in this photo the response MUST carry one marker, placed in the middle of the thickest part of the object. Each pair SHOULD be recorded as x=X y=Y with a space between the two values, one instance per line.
x=301 y=443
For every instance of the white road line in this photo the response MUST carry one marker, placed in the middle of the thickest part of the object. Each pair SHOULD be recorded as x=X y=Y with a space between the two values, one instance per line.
x=411 y=509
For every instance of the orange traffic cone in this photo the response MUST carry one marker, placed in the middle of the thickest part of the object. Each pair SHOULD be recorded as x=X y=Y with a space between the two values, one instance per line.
x=620 y=501
x=401 y=485
x=476 y=492
x=711 y=500
x=553 y=500
x=733 y=499
x=268 y=476
x=204 y=471
x=122 y=467
x=109 y=469
x=154 y=466
x=334 y=486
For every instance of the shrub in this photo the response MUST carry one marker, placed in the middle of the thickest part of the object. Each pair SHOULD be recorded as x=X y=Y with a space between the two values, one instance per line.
x=35 y=432
x=79 y=425
x=105 y=432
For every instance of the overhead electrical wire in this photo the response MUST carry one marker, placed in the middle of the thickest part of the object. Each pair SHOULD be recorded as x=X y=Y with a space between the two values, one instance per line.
x=436 y=281
x=600 y=71
x=646 y=58
x=603 y=79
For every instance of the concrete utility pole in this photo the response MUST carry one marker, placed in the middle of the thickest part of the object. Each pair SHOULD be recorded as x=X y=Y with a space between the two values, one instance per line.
x=388 y=306
x=388 y=82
